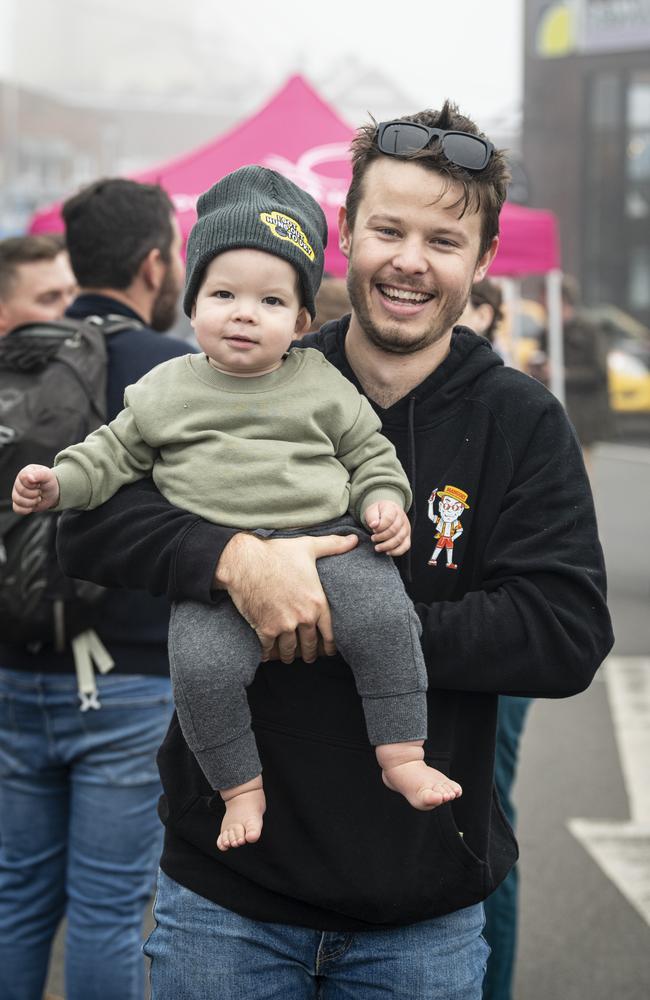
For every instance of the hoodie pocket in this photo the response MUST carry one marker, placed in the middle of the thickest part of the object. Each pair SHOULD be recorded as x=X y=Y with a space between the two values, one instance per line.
x=335 y=838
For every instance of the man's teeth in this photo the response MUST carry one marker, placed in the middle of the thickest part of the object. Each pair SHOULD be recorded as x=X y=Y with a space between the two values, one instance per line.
x=404 y=294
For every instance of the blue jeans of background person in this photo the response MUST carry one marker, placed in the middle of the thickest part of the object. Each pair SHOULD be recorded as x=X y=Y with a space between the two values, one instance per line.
x=79 y=834
x=200 y=951
x=501 y=906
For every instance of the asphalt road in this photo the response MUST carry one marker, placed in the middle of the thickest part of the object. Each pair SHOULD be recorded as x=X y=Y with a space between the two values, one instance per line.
x=580 y=938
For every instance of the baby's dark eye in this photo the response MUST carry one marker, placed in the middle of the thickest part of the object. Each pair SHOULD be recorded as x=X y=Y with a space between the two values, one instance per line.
x=272 y=300
x=221 y=293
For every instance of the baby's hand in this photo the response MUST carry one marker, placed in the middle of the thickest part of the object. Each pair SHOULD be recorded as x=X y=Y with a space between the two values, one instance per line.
x=391 y=531
x=36 y=488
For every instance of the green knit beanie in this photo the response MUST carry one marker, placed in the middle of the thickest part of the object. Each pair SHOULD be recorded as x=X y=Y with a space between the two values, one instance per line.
x=258 y=209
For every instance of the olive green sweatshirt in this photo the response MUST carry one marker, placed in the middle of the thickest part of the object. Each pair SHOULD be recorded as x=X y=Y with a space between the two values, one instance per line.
x=291 y=449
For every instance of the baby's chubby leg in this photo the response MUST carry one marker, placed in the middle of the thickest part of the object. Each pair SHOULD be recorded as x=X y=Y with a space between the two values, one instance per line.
x=404 y=770
x=242 y=822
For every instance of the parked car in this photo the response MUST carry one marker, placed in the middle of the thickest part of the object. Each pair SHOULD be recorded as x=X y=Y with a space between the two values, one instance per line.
x=628 y=357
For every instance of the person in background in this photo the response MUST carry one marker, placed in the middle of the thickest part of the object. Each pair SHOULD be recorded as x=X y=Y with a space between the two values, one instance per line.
x=585 y=371
x=36 y=281
x=484 y=310
x=350 y=891
x=501 y=908
x=483 y=314
x=79 y=834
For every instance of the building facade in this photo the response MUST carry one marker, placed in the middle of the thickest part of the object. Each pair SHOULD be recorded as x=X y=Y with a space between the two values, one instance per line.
x=586 y=140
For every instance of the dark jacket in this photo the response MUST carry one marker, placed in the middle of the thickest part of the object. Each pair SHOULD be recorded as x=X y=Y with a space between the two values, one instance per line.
x=585 y=379
x=132 y=625
x=524 y=613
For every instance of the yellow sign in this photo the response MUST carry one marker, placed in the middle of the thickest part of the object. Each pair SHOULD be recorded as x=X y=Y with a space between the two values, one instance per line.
x=286 y=228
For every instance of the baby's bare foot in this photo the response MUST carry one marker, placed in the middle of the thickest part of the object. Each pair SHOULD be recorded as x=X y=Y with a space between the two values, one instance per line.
x=242 y=822
x=422 y=786
x=404 y=771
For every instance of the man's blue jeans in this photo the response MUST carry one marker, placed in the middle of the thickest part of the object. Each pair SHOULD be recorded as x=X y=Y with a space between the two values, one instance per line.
x=200 y=951
x=79 y=834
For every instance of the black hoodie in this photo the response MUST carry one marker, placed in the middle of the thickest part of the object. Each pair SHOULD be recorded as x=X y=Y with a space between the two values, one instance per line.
x=522 y=611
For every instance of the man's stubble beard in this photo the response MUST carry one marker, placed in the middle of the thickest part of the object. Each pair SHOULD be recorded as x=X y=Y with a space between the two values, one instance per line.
x=165 y=307
x=392 y=338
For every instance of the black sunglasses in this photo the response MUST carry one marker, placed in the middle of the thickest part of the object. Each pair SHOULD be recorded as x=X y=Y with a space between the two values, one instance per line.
x=400 y=138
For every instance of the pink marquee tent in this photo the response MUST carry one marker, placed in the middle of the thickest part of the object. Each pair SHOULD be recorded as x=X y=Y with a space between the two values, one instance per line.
x=300 y=136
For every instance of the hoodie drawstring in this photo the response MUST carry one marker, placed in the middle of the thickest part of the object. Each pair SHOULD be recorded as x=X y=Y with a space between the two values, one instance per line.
x=411 y=473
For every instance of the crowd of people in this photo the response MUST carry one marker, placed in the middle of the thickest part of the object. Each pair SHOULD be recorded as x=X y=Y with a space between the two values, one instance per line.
x=358 y=517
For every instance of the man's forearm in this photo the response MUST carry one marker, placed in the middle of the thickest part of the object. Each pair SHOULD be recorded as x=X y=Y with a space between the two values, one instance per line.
x=138 y=540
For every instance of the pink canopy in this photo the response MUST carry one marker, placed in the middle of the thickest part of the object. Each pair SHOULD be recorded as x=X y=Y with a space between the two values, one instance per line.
x=529 y=242
x=300 y=136
x=296 y=133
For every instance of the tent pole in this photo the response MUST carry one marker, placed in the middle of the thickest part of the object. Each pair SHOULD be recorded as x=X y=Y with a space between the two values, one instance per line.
x=555 y=339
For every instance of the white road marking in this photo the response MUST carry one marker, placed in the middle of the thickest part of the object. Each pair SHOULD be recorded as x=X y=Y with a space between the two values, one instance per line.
x=622 y=849
x=623 y=453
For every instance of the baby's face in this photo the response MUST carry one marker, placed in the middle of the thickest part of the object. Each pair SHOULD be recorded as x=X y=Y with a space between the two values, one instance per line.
x=248 y=311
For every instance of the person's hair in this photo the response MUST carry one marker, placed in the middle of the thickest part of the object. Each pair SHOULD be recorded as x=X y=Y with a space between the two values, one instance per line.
x=483 y=191
x=111 y=226
x=332 y=301
x=487 y=291
x=17 y=250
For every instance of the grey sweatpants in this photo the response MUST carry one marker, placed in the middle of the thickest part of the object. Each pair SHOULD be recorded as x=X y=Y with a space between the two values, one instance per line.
x=214 y=654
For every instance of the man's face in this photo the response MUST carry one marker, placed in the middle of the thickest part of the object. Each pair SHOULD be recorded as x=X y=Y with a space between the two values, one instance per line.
x=40 y=292
x=165 y=307
x=411 y=259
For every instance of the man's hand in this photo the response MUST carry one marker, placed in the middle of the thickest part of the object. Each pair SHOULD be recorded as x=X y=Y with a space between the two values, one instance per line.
x=36 y=488
x=391 y=531
x=274 y=584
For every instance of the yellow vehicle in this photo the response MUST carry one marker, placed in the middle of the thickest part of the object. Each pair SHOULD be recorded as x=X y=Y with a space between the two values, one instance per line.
x=628 y=358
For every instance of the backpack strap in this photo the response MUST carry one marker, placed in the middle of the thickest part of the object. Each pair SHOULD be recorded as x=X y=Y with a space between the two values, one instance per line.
x=114 y=323
x=89 y=653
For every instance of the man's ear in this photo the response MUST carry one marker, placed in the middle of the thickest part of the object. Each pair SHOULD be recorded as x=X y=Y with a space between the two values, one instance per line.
x=152 y=270
x=303 y=322
x=484 y=262
x=345 y=237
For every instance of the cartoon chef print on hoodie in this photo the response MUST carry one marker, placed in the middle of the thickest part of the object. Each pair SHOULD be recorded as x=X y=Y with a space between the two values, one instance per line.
x=452 y=503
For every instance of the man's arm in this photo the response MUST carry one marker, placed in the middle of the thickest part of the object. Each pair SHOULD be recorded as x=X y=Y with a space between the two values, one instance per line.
x=535 y=621
x=139 y=540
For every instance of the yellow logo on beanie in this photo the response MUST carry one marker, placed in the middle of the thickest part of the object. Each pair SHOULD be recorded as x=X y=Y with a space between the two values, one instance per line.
x=286 y=228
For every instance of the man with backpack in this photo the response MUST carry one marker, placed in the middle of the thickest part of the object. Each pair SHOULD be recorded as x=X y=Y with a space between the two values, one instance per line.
x=79 y=833
x=36 y=283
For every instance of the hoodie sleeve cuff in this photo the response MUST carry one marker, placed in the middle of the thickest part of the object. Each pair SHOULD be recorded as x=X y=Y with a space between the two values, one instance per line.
x=197 y=557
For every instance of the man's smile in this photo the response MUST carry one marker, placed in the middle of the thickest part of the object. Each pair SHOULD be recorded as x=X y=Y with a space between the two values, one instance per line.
x=396 y=294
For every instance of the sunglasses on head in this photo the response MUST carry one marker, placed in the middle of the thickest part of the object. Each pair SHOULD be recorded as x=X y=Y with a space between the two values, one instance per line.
x=400 y=138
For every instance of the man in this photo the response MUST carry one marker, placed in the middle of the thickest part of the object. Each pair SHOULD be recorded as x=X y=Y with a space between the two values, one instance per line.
x=347 y=892
x=79 y=833
x=36 y=282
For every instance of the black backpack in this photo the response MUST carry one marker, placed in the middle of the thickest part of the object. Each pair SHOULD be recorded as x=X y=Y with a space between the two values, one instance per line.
x=52 y=394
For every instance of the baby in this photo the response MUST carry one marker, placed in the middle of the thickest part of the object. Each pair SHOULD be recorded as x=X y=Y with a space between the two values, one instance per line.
x=270 y=439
